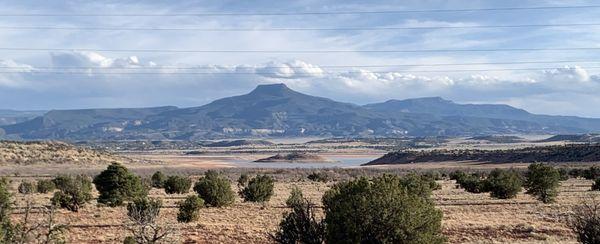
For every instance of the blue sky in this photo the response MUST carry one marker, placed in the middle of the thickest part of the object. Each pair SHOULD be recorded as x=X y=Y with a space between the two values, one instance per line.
x=551 y=88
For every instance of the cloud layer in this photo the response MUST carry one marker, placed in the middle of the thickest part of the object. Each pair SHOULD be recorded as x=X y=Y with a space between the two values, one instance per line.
x=95 y=80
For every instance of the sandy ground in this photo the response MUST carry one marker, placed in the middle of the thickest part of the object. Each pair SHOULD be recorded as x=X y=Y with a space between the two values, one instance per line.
x=468 y=218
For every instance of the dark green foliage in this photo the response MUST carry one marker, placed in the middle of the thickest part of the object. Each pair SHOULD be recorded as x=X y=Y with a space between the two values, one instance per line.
x=116 y=185
x=215 y=189
x=259 y=189
x=542 y=181
x=555 y=153
x=381 y=210
x=564 y=174
x=26 y=187
x=300 y=226
x=418 y=184
x=61 y=181
x=596 y=185
x=504 y=184
x=144 y=210
x=73 y=192
x=158 y=179
x=45 y=186
x=296 y=197
x=6 y=206
x=177 y=184
x=592 y=173
x=189 y=209
x=129 y=240
x=243 y=180
x=576 y=172
x=586 y=222
x=319 y=176
x=472 y=184
x=458 y=175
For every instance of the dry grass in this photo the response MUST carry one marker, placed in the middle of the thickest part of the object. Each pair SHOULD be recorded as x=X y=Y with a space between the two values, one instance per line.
x=468 y=218
x=30 y=153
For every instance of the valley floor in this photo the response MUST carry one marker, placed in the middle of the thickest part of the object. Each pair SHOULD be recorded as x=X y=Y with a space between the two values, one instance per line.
x=468 y=218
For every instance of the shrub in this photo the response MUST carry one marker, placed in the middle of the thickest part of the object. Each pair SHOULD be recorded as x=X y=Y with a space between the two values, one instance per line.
x=243 y=180
x=318 y=176
x=300 y=226
x=259 y=189
x=177 y=184
x=473 y=184
x=188 y=209
x=6 y=205
x=596 y=185
x=576 y=172
x=592 y=173
x=144 y=210
x=61 y=181
x=158 y=179
x=143 y=213
x=73 y=193
x=116 y=185
x=504 y=184
x=585 y=222
x=215 y=189
x=381 y=210
x=458 y=175
x=542 y=182
x=45 y=186
x=26 y=187
x=296 y=197
x=564 y=174
x=129 y=240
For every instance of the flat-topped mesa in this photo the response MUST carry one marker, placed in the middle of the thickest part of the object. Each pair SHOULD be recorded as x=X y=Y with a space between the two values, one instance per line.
x=295 y=157
x=272 y=90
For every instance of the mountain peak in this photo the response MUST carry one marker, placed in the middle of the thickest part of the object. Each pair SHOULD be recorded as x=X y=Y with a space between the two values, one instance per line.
x=272 y=90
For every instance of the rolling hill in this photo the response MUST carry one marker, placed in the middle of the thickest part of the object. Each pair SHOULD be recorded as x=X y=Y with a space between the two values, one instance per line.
x=276 y=110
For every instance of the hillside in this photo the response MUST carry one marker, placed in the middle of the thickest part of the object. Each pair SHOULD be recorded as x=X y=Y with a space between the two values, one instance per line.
x=562 y=153
x=31 y=153
x=9 y=117
x=278 y=111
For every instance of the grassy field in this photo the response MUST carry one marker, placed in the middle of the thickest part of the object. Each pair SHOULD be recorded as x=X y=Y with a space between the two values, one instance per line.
x=468 y=218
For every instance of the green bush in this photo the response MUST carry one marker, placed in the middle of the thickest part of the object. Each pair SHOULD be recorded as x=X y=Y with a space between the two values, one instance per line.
x=129 y=240
x=144 y=210
x=472 y=184
x=296 y=197
x=318 y=176
x=116 y=185
x=26 y=187
x=45 y=186
x=189 y=209
x=6 y=206
x=504 y=184
x=177 y=184
x=596 y=185
x=592 y=173
x=215 y=189
x=576 y=172
x=259 y=189
x=73 y=193
x=300 y=226
x=542 y=181
x=381 y=210
x=243 y=180
x=158 y=179
x=564 y=174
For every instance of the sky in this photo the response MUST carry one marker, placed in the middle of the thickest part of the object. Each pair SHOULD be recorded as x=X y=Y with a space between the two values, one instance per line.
x=105 y=54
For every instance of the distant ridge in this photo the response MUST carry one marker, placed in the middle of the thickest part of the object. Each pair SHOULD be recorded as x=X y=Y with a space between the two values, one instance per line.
x=274 y=110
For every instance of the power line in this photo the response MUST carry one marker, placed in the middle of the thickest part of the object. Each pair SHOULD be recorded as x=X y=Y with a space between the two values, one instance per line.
x=302 y=51
x=298 y=13
x=112 y=28
x=317 y=66
x=277 y=73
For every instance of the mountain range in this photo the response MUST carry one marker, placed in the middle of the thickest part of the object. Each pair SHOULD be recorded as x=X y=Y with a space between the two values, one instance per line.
x=276 y=110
